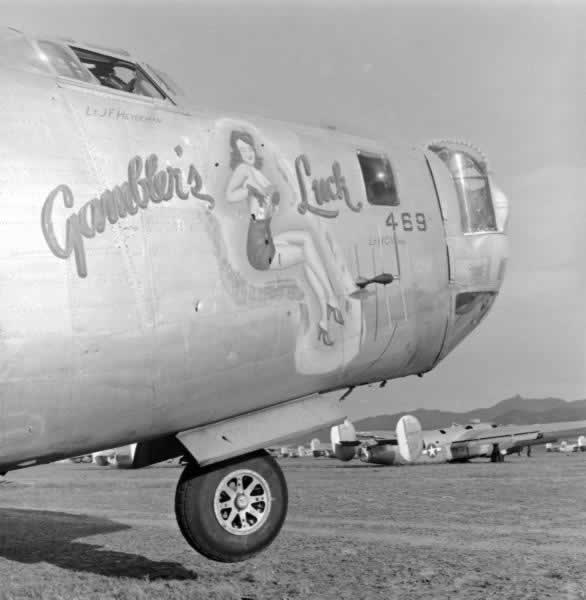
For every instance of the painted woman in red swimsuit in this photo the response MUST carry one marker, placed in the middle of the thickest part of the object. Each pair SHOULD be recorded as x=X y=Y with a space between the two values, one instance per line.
x=286 y=249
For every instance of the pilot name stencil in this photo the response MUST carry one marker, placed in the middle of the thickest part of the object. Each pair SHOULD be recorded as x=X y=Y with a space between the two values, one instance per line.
x=119 y=114
x=122 y=200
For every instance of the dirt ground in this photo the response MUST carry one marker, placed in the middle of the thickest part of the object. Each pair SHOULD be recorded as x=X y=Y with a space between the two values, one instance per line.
x=474 y=531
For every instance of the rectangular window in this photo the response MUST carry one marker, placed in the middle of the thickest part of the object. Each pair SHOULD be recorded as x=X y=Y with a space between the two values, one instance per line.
x=118 y=73
x=378 y=179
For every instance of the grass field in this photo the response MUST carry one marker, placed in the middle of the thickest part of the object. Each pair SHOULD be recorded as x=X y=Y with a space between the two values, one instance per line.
x=354 y=531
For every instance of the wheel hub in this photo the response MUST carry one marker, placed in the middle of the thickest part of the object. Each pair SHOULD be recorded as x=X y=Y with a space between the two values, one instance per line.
x=242 y=502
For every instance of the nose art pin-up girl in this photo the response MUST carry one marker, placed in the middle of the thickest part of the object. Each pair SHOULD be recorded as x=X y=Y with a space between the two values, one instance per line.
x=287 y=248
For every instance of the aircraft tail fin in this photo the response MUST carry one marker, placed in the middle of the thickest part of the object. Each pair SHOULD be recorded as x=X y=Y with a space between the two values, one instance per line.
x=409 y=438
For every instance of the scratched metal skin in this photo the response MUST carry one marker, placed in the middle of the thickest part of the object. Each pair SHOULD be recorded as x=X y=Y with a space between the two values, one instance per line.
x=151 y=319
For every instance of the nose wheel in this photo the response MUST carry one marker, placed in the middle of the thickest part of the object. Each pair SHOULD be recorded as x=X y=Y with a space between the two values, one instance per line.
x=231 y=511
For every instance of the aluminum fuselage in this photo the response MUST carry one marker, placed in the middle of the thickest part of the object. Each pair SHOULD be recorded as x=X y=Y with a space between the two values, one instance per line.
x=147 y=319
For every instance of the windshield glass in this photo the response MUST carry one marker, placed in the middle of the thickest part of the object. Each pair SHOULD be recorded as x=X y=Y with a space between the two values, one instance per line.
x=473 y=188
x=64 y=61
x=166 y=82
x=378 y=179
x=117 y=73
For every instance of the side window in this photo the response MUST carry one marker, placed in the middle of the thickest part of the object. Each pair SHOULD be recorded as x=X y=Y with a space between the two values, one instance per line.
x=118 y=74
x=473 y=187
x=378 y=179
x=124 y=75
x=165 y=82
x=144 y=87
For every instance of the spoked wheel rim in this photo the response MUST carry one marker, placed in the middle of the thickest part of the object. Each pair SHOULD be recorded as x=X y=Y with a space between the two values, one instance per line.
x=242 y=502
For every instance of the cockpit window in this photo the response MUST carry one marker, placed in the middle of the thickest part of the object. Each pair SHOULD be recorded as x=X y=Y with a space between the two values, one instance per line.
x=165 y=82
x=118 y=74
x=64 y=61
x=378 y=179
x=473 y=188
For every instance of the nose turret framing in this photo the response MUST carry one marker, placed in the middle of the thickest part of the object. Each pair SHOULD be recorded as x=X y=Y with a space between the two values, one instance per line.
x=475 y=214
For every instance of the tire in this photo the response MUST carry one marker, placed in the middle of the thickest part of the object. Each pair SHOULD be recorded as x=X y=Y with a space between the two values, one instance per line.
x=209 y=518
x=101 y=461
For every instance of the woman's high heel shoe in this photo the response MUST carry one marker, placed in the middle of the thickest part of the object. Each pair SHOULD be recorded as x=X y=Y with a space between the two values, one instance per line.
x=336 y=312
x=324 y=336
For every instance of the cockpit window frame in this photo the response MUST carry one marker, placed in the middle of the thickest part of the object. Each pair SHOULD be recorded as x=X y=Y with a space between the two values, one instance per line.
x=165 y=81
x=389 y=176
x=113 y=61
x=46 y=48
x=471 y=224
x=459 y=161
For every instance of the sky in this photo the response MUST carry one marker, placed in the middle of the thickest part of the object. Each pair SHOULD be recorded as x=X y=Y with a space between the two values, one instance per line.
x=507 y=76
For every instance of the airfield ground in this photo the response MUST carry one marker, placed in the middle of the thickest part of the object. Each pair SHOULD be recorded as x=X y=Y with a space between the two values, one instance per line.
x=473 y=531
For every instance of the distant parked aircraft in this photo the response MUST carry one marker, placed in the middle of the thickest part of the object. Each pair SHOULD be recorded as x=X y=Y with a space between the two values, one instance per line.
x=318 y=448
x=564 y=446
x=456 y=443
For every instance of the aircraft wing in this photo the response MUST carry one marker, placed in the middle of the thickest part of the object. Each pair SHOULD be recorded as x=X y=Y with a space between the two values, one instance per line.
x=510 y=436
x=345 y=439
x=375 y=438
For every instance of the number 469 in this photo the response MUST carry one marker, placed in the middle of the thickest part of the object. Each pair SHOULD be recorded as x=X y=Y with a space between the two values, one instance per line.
x=406 y=221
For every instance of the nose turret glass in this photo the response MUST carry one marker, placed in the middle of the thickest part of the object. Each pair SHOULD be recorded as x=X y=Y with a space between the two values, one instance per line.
x=473 y=187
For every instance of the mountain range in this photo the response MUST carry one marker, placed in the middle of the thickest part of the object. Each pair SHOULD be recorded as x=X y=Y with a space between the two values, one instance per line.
x=511 y=411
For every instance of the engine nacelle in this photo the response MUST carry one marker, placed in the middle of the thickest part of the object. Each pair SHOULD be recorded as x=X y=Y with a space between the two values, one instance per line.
x=344 y=442
x=381 y=454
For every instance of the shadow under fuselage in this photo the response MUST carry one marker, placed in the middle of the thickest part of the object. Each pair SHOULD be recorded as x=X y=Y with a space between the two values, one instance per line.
x=33 y=536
